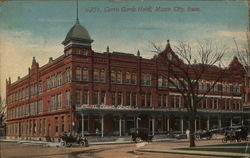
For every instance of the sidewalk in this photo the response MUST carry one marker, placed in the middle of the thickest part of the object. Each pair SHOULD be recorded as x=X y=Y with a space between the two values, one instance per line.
x=201 y=153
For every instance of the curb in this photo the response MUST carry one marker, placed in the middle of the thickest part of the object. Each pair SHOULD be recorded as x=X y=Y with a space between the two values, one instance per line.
x=185 y=152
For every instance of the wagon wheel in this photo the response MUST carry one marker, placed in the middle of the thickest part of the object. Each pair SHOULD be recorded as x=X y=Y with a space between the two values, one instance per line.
x=224 y=140
x=198 y=137
x=64 y=143
x=138 y=139
x=82 y=143
x=68 y=144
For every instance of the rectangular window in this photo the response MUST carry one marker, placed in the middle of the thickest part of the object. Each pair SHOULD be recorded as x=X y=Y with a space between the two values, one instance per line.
x=59 y=79
x=160 y=81
x=102 y=76
x=133 y=78
x=59 y=101
x=145 y=79
x=113 y=98
x=56 y=126
x=96 y=97
x=40 y=88
x=40 y=106
x=62 y=124
x=103 y=94
x=96 y=75
x=143 y=99
x=128 y=99
x=68 y=99
x=78 y=74
x=78 y=97
x=48 y=83
x=148 y=100
x=159 y=100
x=27 y=92
x=85 y=74
x=53 y=78
x=148 y=80
x=113 y=77
x=133 y=99
x=68 y=75
x=164 y=100
x=119 y=98
x=85 y=97
x=128 y=78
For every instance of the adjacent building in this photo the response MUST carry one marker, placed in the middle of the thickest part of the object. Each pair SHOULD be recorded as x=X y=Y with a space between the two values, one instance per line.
x=108 y=93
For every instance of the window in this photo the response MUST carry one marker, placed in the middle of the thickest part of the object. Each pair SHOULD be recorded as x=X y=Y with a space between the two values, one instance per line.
x=96 y=75
x=78 y=96
x=164 y=100
x=159 y=100
x=119 y=77
x=62 y=124
x=145 y=79
x=78 y=51
x=40 y=88
x=59 y=79
x=102 y=76
x=148 y=100
x=177 y=102
x=26 y=92
x=68 y=100
x=133 y=99
x=78 y=74
x=68 y=75
x=40 y=106
x=119 y=98
x=128 y=99
x=85 y=52
x=85 y=74
x=48 y=83
x=113 y=77
x=85 y=97
x=56 y=125
x=53 y=78
x=128 y=78
x=160 y=81
x=133 y=78
x=113 y=98
x=103 y=97
x=143 y=99
x=216 y=88
x=59 y=101
x=96 y=97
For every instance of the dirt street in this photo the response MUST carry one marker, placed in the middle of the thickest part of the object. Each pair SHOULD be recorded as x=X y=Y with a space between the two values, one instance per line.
x=14 y=150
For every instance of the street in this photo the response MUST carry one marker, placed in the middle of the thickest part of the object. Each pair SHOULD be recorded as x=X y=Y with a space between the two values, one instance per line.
x=15 y=150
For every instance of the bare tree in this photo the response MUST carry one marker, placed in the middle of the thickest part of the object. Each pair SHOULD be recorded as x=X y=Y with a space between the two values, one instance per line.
x=244 y=53
x=2 y=112
x=187 y=67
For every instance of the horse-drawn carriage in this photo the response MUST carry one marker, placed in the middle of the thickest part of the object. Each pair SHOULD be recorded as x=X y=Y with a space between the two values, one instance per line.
x=238 y=134
x=69 y=140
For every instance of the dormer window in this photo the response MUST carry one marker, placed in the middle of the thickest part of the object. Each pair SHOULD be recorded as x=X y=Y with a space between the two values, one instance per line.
x=85 y=52
x=169 y=56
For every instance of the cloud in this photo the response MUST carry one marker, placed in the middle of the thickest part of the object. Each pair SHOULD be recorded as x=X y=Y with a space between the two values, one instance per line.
x=17 y=50
x=238 y=36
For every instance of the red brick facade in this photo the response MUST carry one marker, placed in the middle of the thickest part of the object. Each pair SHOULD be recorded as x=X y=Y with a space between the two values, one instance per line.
x=113 y=92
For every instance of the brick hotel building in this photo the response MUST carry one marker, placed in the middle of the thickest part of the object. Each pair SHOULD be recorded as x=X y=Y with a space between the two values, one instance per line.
x=108 y=93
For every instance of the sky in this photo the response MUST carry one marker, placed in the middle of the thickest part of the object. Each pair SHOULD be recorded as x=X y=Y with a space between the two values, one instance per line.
x=37 y=28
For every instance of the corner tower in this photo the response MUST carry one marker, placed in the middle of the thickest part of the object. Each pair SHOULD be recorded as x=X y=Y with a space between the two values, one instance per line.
x=78 y=40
